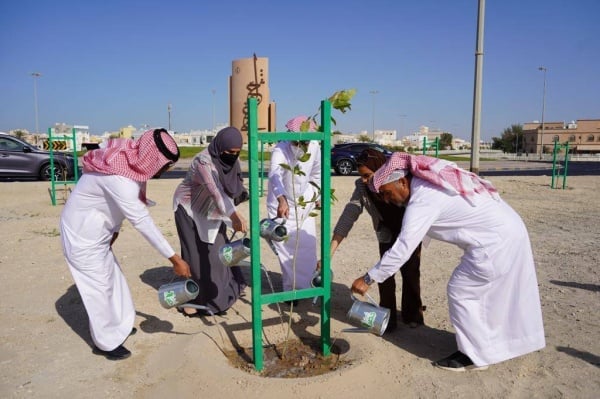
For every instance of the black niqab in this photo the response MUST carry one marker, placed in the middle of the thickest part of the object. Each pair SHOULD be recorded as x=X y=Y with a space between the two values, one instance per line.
x=229 y=175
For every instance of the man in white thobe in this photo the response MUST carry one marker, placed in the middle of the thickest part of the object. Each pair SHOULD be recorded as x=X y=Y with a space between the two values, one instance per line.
x=111 y=190
x=493 y=295
x=299 y=251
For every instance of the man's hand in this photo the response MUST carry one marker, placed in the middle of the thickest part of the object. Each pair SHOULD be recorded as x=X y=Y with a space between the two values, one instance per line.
x=359 y=286
x=238 y=222
x=283 y=209
x=180 y=266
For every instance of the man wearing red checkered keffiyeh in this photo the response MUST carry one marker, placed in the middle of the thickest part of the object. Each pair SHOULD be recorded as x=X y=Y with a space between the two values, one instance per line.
x=139 y=160
x=493 y=295
x=437 y=171
x=109 y=192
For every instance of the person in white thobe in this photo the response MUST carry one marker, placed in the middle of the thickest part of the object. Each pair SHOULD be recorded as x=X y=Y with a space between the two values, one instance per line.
x=111 y=190
x=299 y=251
x=493 y=295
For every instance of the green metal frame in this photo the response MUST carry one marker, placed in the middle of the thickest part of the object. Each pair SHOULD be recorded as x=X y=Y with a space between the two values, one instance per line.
x=555 y=167
x=436 y=144
x=53 y=181
x=259 y=299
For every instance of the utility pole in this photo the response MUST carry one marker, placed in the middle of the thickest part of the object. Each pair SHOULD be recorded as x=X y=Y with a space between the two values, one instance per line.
x=543 y=109
x=476 y=126
x=169 y=112
x=213 y=109
x=35 y=75
x=373 y=92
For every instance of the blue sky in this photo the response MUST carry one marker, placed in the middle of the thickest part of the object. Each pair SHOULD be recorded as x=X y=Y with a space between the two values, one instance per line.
x=108 y=64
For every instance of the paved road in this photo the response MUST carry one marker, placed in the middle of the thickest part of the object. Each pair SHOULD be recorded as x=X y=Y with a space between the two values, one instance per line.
x=486 y=168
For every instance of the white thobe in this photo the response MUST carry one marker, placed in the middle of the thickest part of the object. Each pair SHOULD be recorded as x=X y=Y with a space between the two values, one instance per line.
x=493 y=295
x=95 y=210
x=301 y=246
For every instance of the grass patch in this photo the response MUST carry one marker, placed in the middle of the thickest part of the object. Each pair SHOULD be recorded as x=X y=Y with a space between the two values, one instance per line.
x=190 y=152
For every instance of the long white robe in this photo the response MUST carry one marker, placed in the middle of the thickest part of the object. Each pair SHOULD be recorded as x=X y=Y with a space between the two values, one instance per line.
x=95 y=210
x=493 y=295
x=301 y=244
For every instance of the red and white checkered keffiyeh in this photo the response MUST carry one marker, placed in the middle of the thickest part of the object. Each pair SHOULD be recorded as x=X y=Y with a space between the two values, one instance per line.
x=138 y=160
x=294 y=124
x=442 y=173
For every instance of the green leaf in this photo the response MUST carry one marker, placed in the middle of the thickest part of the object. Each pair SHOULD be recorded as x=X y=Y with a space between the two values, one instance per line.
x=312 y=183
x=305 y=126
x=285 y=166
x=304 y=157
x=332 y=195
x=313 y=214
x=340 y=100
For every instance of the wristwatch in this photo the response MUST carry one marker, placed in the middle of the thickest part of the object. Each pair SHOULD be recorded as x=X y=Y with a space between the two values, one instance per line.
x=367 y=279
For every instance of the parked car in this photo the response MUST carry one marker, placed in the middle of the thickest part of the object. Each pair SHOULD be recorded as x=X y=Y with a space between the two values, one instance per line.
x=343 y=156
x=19 y=159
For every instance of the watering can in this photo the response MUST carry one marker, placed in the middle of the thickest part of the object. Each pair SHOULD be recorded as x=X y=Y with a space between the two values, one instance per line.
x=272 y=230
x=177 y=293
x=316 y=281
x=372 y=317
x=235 y=251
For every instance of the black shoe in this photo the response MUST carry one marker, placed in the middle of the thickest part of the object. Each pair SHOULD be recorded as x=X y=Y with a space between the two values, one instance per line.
x=119 y=353
x=458 y=361
x=133 y=331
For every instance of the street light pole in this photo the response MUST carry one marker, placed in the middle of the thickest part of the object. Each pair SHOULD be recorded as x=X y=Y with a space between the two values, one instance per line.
x=213 y=109
x=543 y=109
x=169 y=111
x=476 y=122
x=35 y=99
x=373 y=92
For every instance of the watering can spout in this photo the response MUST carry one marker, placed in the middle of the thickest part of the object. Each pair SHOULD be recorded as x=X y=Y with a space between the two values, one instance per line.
x=271 y=229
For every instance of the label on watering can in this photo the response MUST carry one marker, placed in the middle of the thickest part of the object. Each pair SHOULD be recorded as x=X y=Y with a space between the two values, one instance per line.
x=265 y=224
x=169 y=298
x=368 y=319
x=228 y=253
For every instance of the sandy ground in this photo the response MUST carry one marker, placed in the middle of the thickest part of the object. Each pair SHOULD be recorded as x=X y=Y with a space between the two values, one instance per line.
x=45 y=349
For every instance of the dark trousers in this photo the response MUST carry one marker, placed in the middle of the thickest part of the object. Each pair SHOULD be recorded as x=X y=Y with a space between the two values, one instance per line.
x=220 y=285
x=412 y=307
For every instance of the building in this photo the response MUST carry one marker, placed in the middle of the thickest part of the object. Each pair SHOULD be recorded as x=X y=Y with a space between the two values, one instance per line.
x=582 y=135
x=250 y=79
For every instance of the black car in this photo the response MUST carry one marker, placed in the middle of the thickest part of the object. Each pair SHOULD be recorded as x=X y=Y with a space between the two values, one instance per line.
x=19 y=159
x=343 y=156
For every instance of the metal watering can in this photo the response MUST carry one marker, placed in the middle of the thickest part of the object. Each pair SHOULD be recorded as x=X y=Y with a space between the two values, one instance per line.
x=316 y=281
x=177 y=293
x=372 y=317
x=272 y=230
x=235 y=251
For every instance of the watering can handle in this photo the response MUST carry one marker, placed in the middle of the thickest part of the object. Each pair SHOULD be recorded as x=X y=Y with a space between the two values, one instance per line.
x=233 y=235
x=369 y=298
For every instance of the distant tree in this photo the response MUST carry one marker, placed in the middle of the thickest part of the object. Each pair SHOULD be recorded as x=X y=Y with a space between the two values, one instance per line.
x=511 y=138
x=364 y=138
x=445 y=141
x=19 y=134
x=336 y=132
